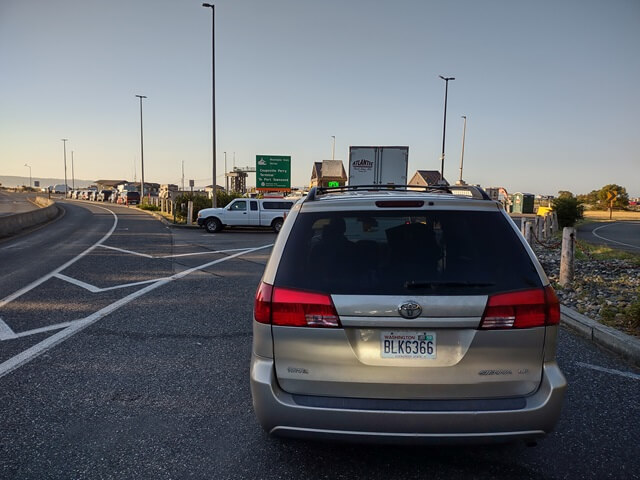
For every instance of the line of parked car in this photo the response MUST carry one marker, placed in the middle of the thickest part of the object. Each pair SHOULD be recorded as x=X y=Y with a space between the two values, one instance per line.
x=125 y=197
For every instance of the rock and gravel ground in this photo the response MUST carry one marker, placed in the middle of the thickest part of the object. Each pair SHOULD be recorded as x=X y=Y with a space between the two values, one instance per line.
x=605 y=290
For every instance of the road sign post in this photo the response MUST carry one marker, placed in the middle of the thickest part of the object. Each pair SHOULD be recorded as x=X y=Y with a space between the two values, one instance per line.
x=611 y=198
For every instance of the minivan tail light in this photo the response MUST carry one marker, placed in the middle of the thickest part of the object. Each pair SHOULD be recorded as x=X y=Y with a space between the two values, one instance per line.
x=262 y=304
x=537 y=307
x=294 y=308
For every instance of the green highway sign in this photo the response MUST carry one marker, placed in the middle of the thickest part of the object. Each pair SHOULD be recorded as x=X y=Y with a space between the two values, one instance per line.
x=273 y=173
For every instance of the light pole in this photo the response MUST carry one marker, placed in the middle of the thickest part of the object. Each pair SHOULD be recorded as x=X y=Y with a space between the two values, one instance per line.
x=141 y=151
x=214 y=201
x=29 y=174
x=333 y=148
x=444 y=127
x=73 y=175
x=64 y=146
x=226 y=179
x=464 y=131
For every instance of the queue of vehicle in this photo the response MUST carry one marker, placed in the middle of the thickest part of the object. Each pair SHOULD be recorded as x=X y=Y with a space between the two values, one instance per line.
x=124 y=197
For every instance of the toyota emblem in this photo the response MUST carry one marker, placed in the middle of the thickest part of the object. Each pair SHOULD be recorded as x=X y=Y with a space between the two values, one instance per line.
x=410 y=309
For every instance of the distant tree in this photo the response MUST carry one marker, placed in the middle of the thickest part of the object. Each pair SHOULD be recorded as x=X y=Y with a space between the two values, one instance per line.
x=621 y=201
x=569 y=211
x=565 y=194
x=590 y=198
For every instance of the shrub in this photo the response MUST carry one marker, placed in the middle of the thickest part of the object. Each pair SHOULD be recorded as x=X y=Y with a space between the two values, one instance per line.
x=569 y=211
x=200 y=201
x=148 y=206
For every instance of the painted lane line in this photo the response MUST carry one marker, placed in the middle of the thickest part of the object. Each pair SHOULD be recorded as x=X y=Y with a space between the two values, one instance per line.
x=5 y=331
x=94 y=289
x=48 y=328
x=50 y=342
x=634 y=376
x=126 y=251
x=204 y=253
x=78 y=283
x=146 y=255
x=608 y=240
x=49 y=275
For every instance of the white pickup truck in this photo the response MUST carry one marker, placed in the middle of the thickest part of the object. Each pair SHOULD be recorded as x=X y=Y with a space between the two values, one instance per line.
x=246 y=212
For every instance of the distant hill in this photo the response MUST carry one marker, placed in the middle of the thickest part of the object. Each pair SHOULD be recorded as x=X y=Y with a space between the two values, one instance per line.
x=11 y=181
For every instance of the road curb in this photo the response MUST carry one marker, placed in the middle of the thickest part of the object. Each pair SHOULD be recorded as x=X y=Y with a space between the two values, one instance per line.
x=607 y=337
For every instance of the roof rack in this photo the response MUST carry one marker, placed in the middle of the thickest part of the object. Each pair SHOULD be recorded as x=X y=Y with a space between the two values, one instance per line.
x=470 y=191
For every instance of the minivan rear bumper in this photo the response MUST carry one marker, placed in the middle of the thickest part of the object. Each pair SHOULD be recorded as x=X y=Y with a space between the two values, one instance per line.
x=284 y=414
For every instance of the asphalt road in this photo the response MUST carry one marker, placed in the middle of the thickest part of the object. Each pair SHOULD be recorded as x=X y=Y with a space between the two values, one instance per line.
x=618 y=235
x=133 y=361
x=11 y=202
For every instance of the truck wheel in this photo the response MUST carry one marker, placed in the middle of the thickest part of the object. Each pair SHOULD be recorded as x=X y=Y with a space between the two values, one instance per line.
x=213 y=225
x=277 y=225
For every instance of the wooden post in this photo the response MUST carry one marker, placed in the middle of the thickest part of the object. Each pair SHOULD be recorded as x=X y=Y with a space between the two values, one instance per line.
x=567 y=257
x=554 y=221
x=190 y=212
x=540 y=231
x=523 y=226
x=547 y=227
x=528 y=231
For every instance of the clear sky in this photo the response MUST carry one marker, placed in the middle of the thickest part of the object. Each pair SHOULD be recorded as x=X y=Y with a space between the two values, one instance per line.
x=550 y=88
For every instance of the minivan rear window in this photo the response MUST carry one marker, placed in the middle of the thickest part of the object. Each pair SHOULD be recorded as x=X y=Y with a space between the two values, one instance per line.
x=405 y=252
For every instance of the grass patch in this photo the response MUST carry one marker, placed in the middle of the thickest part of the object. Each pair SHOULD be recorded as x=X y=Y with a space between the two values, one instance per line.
x=586 y=251
x=603 y=215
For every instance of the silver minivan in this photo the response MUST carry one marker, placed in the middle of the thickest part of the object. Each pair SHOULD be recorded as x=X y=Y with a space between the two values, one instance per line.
x=397 y=315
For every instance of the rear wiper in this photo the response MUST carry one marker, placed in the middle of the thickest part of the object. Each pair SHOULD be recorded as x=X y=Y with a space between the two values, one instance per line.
x=410 y=284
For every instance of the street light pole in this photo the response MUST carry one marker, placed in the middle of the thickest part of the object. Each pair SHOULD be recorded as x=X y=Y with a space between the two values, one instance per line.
x=333 y=148
x=444 y=127
x=29 y=174
x=464 y=131
x=141 y=151
x=226 y=179
x=73 y=175
x=214 y=201
x=64 y=146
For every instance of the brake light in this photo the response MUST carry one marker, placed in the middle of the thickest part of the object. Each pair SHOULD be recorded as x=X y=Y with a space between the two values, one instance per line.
x=294 y=308
x=399 y=203
x=262 y=304
x=525 y=309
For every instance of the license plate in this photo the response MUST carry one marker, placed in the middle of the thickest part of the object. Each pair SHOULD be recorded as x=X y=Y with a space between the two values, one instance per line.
x=401 y=344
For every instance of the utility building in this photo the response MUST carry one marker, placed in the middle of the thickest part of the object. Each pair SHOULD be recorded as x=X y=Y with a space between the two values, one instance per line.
x=328 y=173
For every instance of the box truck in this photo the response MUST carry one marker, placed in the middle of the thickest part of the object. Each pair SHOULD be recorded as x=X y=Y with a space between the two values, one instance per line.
x=378 y=165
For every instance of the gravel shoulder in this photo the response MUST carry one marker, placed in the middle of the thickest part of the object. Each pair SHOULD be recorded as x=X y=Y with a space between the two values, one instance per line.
x=605 y=290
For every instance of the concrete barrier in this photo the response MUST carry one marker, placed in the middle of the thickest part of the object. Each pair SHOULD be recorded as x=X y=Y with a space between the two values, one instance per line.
x=12 y=224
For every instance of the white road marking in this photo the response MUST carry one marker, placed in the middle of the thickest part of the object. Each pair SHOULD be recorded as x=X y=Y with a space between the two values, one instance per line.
x=208 y=252
x=50 y=342
x=5 y=331
x=48 y=328
x=94 y=289
x=203 y=253
x=635 y=376
x=46 y=277
x=126 y=251
x=609 y=240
